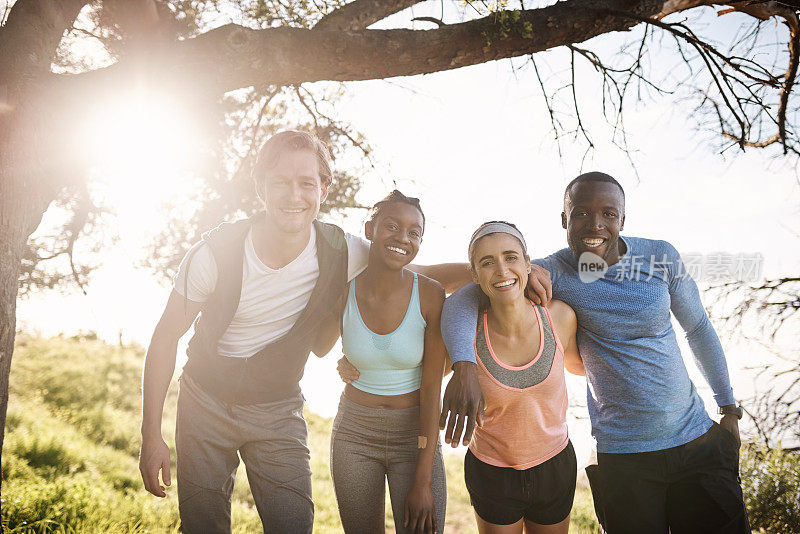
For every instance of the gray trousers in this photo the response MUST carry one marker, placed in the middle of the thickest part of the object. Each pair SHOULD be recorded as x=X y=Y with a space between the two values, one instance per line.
x=271 y=439
x=369 y=446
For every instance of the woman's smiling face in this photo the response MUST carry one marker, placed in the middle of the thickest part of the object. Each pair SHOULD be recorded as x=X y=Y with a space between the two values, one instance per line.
x=500 y=267
x=396 y=234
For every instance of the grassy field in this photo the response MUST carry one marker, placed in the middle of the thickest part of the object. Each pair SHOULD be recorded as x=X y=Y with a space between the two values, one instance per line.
x=72 y=439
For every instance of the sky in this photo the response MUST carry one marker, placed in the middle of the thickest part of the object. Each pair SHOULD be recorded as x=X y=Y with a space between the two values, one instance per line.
x=474 y=144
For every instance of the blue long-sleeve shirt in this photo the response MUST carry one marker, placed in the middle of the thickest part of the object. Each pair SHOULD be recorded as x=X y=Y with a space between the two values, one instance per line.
x=640 y=397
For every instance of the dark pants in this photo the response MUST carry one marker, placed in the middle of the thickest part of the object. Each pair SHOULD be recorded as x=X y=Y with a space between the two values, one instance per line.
x=692 y=488
x=271 y=440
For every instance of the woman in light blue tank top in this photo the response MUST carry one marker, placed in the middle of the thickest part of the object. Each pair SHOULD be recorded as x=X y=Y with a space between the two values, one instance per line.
x=387 y=425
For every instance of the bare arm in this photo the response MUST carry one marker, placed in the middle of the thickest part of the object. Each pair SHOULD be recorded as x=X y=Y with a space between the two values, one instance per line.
x=329 y=331
x=159 y=365
x=566 y=325
x=419 y=510
x=452 y=276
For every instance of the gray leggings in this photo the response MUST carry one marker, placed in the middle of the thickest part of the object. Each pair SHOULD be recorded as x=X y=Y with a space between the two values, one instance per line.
x=368 y=446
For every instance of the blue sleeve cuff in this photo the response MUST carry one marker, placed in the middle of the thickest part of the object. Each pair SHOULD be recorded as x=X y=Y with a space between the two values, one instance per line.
x=726 y=398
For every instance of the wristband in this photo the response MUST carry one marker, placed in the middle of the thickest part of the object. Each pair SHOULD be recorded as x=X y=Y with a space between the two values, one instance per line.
x=731 y=410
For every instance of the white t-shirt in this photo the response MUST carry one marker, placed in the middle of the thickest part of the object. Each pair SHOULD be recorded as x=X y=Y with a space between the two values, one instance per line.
x=271 y=299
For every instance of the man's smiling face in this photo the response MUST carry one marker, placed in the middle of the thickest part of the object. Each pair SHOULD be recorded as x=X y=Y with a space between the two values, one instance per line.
x=594 y=214
x=293 y=191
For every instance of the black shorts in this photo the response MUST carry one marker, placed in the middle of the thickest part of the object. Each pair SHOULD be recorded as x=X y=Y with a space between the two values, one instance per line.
x=542 y=494
x=689 y=489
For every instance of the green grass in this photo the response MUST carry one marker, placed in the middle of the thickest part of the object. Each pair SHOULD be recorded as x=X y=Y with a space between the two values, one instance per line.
x=70 y=453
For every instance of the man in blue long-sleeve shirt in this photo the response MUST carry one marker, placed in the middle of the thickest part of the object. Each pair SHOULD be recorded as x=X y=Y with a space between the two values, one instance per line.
x=663 y=464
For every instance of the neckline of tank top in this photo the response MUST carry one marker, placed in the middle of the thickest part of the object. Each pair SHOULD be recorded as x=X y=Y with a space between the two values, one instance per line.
x=414 y=286
x=538 y=353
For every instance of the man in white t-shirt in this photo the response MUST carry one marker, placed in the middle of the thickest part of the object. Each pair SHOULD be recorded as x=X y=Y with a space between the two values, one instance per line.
x=261 y=285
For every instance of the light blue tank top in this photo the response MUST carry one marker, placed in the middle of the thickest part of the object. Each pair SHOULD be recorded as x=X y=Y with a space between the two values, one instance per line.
x=389 y=364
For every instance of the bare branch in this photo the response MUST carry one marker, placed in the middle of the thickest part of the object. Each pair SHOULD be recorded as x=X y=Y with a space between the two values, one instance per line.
x=331 y=124
x=360 y=14
x=438 y=22
x=555 y=124
x=791 y=74
x=581 y=128
x=773 y=301
x=254 y=128
x=740 y=82
x=757 y=313
x=673 y=6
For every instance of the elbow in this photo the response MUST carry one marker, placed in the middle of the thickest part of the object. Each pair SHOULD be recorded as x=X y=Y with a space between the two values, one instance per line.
x=577 y=371
x=575 y=366
x=700 y=327
x=451 y=286
x=320 y=351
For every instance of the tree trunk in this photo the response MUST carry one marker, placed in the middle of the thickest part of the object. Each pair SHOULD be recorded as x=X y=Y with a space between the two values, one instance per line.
x=12 y=241
x=35 y=160
x=25 y=193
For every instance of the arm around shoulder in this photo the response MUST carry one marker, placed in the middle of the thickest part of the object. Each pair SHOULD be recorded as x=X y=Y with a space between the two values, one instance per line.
x=451 y=276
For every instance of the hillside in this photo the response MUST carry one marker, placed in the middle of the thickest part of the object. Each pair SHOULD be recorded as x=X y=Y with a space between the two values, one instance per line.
x=72 y=440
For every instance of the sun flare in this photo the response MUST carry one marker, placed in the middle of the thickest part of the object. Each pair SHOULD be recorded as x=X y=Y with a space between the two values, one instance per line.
x=141 y=146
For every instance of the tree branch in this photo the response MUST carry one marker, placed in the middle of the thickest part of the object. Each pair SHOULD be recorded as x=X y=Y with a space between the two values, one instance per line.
x=360 y=14
x=673 y=6
x=231 y=57
x=791 y=74
x=26 y=51
x=438 y=22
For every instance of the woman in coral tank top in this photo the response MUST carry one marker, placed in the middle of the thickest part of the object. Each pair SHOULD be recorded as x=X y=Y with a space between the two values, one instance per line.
x=520 y=468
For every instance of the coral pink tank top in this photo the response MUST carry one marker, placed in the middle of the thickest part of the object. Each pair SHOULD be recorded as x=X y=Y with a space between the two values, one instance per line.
x=525 y=421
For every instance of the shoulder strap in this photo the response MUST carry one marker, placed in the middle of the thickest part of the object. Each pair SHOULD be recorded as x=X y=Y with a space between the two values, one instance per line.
x=332 y=234
x=226 y=235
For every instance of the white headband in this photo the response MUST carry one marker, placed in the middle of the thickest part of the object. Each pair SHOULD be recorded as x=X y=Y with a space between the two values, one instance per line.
x=497 y=227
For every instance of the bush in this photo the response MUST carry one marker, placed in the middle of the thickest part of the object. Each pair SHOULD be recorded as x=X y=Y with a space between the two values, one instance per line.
x=87 y=383
x=82 y=503
x=41 y=506
x=43 y=453
x=771 y=485
x=15 y=467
